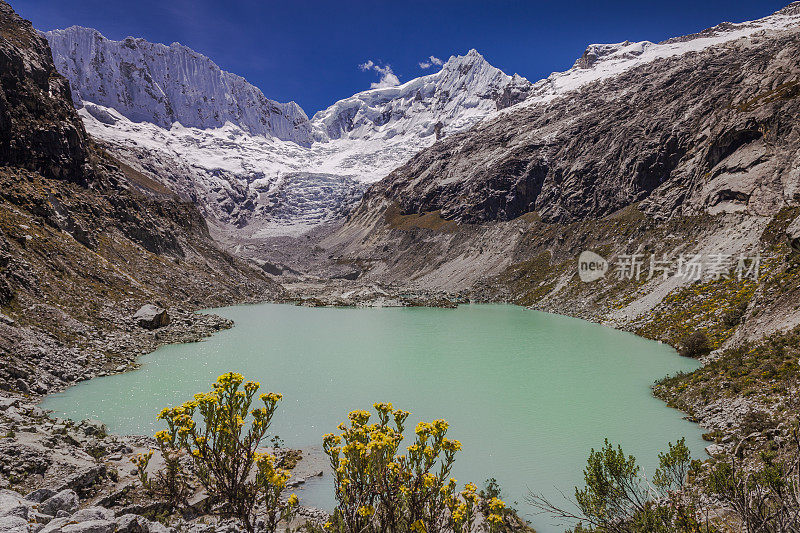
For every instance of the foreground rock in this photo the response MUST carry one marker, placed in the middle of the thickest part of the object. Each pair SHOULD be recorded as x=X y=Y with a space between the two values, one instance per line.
x=23 y=514
x=73 y=477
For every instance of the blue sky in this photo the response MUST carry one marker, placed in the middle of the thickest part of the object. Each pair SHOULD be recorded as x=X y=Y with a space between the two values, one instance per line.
x=309 y=50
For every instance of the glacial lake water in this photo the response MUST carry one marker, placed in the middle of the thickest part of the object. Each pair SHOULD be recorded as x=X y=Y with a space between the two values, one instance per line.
x=527 y=393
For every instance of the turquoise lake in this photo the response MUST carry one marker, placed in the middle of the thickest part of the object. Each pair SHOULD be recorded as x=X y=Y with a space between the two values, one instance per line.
x=527 y=393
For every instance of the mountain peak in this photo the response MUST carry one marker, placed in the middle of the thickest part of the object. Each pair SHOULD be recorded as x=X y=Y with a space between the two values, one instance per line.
x=463 y=92
x=164 y=85
x=471 y=59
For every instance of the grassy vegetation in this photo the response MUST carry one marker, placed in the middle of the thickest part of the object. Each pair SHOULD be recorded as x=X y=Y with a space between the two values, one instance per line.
x=432 y=221
x=768 y=369
x=784 y=91
x=714 y=307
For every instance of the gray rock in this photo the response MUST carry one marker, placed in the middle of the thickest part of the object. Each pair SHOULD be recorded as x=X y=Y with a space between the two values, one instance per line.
x=55 y=525
x=42 y=519
x=85 y=478
x=5 y=403
x=151 y=317
x=793 y=235
x=40 y=495
x=132 y=523
x=13 y=524
x=93 y=428
x=12 y=504
x=93 y=513
x=66 y=500
x=90 y=526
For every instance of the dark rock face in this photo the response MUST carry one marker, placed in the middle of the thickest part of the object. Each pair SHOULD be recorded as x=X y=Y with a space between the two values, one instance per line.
x=713 y=131
x=39 y=129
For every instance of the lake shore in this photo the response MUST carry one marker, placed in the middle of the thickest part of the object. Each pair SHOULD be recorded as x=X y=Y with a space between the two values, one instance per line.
x=101 y=483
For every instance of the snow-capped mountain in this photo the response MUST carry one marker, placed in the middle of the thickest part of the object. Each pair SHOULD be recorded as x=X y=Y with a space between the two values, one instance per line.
x=149 y=82
x=603 y=61
x=463 y=92
x=213 y=138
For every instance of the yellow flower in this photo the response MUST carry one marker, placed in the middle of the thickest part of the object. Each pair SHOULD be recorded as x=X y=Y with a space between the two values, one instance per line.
x=271 y=397
x=496 y=505
x=451 y=445
x=418 y=527
x=331 y=440
x=293 y=500
x=366 y=510
x=383 y=407
x=359 y=417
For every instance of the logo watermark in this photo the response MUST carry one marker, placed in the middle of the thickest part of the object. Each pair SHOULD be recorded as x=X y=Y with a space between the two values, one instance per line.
x=591 y=266
x=690 y=267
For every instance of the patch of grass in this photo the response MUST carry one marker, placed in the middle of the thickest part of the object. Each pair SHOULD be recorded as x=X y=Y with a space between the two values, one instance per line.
x=784 y=91
x=432 y=221
x=704 y=306
x=770 y=366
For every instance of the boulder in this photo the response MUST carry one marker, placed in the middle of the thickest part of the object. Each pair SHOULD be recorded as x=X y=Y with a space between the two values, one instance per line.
x=40 y=495
x=132 y=523
x=793 y=235
x=90 y=526
x=6 y=403
x=151 y=317
x=12 y=504
x=66 y=500
x=13 y=524
x=93 y=428
x=84 y=478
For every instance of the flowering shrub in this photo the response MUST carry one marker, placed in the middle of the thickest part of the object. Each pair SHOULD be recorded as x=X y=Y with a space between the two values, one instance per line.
x=378 y=490
x=222 y=450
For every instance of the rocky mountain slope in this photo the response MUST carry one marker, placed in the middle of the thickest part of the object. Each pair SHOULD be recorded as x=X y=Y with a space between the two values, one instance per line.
x=141 y=99
x=86 y=240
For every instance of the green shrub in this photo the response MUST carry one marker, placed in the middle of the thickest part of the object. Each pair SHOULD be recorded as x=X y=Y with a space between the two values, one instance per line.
x=695 y=345
x=616 y=496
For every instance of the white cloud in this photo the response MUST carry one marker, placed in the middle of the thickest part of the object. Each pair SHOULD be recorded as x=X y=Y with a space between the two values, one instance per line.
x=387 y=78
x=432 y=60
